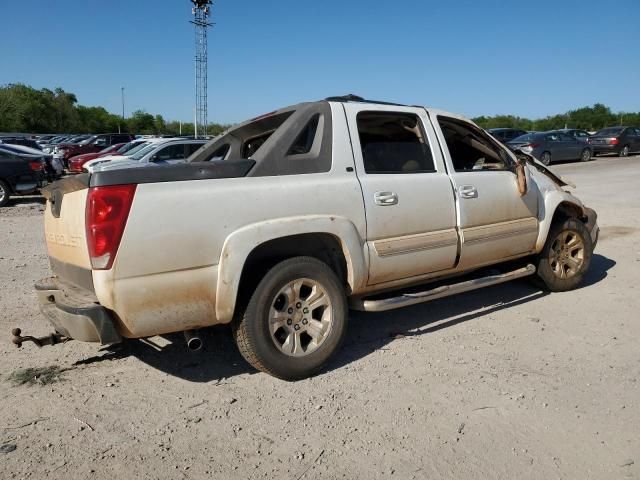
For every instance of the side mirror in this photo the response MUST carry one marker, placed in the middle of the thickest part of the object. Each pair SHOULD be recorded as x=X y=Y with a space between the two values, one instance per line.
x=521 y=175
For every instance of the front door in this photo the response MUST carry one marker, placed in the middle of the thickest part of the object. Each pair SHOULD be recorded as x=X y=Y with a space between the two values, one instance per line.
x=495 y=221
x=408 y=196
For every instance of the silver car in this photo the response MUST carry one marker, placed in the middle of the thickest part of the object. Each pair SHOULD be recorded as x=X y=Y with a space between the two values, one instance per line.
x=163 y=152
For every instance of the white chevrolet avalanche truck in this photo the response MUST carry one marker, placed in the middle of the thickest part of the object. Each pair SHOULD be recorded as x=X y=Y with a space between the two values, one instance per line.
x=283 y=223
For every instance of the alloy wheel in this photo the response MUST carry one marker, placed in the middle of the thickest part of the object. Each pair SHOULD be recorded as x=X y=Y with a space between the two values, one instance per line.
x=300 y=317
x=567 y=254
x=546 y=158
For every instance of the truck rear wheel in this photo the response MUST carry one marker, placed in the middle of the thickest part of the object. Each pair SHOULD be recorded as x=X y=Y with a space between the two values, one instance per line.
x=294 y=321
x=566 y=256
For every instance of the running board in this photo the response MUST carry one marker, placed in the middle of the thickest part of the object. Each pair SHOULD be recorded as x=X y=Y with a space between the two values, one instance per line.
x=406 y=299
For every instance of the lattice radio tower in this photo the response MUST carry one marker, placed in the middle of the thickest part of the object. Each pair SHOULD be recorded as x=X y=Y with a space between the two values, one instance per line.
x=201 y=11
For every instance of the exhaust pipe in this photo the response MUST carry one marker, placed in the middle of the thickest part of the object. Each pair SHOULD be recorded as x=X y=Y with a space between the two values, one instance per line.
x=194 y=342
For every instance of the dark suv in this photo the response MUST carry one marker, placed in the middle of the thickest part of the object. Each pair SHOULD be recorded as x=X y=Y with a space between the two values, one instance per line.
x=619 y=140
x=20 y=174
x=94 y=144
x=506 y=134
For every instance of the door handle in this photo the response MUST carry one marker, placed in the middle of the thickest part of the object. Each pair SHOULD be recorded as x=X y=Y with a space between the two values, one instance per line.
x=468 y=191
x=385 y=199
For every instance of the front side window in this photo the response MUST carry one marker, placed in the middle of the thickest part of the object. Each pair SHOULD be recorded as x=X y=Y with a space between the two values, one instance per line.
x=172 y=152
x=471 y=149
x=393 y=143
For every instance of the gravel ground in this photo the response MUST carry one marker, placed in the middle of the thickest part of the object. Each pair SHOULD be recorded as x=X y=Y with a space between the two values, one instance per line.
x=507 y=382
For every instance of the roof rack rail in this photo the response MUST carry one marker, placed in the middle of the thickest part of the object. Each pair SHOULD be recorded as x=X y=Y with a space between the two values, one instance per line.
x=356 y=98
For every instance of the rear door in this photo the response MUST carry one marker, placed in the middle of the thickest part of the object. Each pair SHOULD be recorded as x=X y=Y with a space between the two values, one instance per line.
x=495 y=221
x=408 y=197
x=571 y=147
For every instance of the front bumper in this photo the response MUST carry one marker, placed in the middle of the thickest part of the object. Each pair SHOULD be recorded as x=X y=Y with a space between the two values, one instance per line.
x=75 y=312
x=592 y=225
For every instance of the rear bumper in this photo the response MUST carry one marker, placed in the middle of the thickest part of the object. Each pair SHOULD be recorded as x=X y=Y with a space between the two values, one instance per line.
x=603 y=148
x=76 y=313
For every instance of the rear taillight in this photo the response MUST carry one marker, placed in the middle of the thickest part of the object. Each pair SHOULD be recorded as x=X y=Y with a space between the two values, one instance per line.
x=613 y=141
x=107 y=212
x=36 y=166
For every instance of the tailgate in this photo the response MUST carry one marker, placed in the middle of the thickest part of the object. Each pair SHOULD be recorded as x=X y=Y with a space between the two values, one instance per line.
x=64 y=226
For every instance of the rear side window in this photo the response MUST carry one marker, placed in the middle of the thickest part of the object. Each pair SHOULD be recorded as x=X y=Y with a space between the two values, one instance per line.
x=471 y=149
x=304 y=142
x=393 y=143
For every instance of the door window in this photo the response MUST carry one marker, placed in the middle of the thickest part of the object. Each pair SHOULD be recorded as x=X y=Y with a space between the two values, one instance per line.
x=471 y=149
x=192 y=148
x=393 y=143
x=172 y=152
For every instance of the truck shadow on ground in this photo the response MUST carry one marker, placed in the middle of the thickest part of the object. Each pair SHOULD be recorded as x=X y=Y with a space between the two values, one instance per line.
x=220 y=360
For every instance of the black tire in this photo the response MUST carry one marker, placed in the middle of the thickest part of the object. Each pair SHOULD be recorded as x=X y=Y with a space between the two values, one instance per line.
x=624 y=151
x=252 y=330
x=5 y=193
x=545 y=158
x=586 y=155
x=552 y=277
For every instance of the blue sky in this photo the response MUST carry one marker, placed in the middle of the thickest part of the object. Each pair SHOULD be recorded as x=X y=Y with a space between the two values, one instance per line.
x=530 y=58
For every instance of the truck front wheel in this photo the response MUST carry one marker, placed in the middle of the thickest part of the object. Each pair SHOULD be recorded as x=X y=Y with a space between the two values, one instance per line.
x=294 y=321
x=566 y=256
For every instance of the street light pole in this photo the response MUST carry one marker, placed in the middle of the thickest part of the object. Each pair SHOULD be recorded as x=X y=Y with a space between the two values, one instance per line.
x=122 y=90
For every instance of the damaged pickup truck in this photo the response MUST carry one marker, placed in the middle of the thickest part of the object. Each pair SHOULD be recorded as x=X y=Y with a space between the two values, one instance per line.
x=284 y=222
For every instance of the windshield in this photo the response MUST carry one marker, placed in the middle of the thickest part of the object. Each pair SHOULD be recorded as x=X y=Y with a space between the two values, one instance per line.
x=136 y=149
x=87 y=141
x=523 y=138
x=127 y=146
x=107 y=150
x=142 y=152
x=610 y=131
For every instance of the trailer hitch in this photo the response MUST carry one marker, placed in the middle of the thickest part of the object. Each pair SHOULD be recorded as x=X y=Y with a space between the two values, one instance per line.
x=52 y=339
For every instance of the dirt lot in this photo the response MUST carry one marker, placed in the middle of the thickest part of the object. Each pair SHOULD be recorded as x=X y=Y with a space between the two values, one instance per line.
x=507 y=382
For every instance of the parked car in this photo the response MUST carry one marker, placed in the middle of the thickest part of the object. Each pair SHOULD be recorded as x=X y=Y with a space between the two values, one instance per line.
x=506 y=134
x=138 y=145
x=552 y=146
x=53 y=167
x=24 y=141
x=619 y=140
x=50 y=145
x=158 y=152
x=312 y=209
x=92 y=144
x=76 y=163
x=20 y=173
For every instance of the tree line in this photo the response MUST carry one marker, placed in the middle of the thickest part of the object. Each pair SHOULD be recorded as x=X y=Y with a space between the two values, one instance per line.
x=27 y=110
x=589 y=118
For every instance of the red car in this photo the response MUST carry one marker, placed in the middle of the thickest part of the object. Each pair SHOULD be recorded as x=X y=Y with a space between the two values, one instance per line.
x=93 y=145
x=76 y=163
